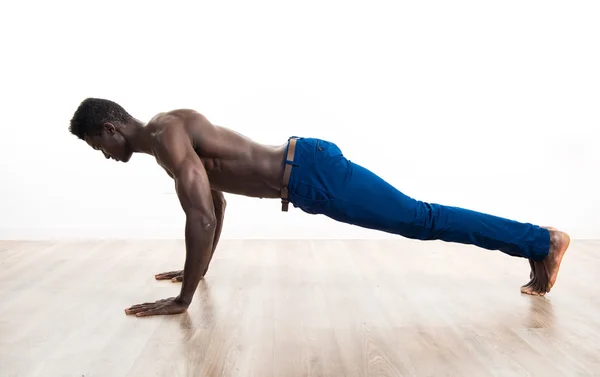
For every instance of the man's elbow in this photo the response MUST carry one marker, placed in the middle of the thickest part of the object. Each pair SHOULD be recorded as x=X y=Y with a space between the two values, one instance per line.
x=219 y=200
x=203 y=221
x=222 y=204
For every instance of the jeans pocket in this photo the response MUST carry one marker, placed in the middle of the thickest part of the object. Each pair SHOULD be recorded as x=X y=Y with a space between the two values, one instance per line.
x=309 y=193
x=327 y=149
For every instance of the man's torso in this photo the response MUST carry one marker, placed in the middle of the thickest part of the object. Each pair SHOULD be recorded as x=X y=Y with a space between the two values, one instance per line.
x=233 y=162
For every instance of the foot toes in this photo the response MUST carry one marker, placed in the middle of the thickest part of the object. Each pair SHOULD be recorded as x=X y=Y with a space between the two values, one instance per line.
x=528 y=287
x=534 y=288
x=539 y=288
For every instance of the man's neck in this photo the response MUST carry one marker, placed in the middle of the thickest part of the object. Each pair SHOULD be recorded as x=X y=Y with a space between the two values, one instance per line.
x=138 y=137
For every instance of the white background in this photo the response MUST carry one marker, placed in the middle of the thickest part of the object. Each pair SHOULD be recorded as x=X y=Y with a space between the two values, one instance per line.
x=492 y=106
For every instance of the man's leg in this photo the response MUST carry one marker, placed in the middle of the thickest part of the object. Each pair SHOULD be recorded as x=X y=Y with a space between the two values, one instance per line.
x=355 y=195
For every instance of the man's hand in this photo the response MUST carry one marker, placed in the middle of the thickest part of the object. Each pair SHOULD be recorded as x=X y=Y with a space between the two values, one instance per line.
x=174 y=276
x=161 y=307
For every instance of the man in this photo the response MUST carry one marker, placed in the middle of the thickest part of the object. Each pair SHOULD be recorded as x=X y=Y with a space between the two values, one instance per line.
x=206 y=160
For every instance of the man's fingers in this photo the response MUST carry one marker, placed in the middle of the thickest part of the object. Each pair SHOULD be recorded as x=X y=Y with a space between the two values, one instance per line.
x=171 y=272
x=164 y=306
x=143 y=307
x=167 y=275
x=161 y=310
x=151 y=311
x=174 y=276
x=138 y=309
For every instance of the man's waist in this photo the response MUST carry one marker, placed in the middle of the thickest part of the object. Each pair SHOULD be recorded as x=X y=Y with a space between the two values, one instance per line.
x=287 y=172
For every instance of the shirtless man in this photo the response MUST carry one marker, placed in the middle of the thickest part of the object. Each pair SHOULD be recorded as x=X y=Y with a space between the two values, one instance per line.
x=206 y=160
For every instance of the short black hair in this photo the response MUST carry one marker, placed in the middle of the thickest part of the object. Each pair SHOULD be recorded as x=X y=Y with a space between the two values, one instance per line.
x=92 y=113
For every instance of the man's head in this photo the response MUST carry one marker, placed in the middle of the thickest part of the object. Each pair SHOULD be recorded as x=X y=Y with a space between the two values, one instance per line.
x=103 y=124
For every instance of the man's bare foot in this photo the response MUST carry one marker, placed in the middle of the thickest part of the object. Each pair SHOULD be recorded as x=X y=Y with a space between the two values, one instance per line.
x=174 y=276
x=544 y=273
x=532 y=273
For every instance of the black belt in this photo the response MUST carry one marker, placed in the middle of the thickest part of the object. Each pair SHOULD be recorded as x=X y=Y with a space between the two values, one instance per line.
x=287 y=171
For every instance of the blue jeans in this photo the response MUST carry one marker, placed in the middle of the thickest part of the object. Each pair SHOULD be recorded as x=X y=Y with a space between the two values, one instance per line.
x=324 y=182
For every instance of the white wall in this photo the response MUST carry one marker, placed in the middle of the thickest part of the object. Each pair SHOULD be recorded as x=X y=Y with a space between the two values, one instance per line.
x=491 y=106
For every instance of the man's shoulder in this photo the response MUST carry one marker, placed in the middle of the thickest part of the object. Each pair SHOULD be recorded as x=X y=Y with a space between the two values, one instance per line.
x=174 y=120
x=177 y=129
x=166 y=130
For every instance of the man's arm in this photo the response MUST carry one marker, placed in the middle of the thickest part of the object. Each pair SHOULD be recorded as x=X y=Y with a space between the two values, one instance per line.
x=175 y=151
x=219 y=204
x=193 y=190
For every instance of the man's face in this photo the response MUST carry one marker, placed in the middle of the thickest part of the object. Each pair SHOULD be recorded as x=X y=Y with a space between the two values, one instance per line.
x=111 y=143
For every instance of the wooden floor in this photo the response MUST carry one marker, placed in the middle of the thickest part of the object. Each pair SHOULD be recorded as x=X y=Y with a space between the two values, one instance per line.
x=296 y=308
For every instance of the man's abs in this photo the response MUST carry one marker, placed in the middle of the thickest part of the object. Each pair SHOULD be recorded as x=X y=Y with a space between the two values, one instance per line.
x=257 y=174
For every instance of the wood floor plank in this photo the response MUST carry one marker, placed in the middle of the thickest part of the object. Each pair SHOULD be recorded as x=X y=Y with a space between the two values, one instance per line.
x=273 y=308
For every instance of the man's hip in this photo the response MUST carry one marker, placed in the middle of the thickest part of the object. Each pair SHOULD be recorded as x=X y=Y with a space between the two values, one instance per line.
x=314 y=173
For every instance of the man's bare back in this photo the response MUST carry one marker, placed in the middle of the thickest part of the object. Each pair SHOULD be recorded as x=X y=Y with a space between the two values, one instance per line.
x=233 y=162
x=206 y=160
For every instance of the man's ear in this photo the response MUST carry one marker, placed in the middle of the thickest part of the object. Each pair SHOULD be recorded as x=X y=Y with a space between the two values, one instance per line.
x=110 y=128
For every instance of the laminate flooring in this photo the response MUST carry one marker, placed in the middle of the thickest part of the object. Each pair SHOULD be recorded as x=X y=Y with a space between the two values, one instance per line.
x=287 y=308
